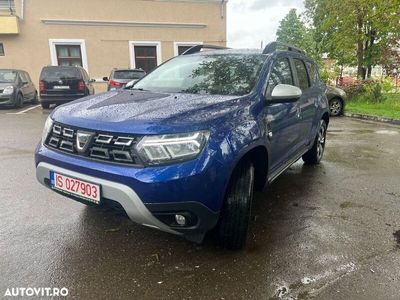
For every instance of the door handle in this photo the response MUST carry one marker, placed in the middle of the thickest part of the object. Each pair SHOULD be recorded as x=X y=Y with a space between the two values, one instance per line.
x=298 y=112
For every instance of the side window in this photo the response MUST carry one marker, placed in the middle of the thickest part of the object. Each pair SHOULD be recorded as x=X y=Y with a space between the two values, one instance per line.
x=28 y=78
x=281 y=73
x=22 y=77
x=313 y=72
x=301 y=74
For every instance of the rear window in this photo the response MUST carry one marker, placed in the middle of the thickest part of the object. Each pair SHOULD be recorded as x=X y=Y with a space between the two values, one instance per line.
x=127 y=74
x=60 y=73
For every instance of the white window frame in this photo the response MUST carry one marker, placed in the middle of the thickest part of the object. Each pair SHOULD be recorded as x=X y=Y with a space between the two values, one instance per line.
x=132 y=45
x=177 y=44
x=73 y=42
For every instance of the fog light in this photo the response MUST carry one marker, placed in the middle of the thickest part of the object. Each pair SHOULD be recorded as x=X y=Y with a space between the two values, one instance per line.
x=181 y=220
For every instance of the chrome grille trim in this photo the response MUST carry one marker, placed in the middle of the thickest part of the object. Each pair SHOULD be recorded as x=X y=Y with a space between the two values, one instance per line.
x=67 y=146
x=54 y=142
x=104 y=146
x=99 y=153
x=123 y=156
x=123 y=141
x=57 y=129
x=68 y=132
x=103 y=139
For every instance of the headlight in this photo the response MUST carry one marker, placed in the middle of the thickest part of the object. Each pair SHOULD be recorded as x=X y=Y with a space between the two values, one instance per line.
x=8 y=90
x=47 y=128
x=160 y=149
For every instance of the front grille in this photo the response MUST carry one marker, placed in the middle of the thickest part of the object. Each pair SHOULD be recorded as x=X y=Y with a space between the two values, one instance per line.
x=110 y=147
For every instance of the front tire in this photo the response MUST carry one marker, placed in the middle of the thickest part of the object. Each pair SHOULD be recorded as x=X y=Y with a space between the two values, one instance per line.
x=19 y=101
x=235 y=215
x=315 y=154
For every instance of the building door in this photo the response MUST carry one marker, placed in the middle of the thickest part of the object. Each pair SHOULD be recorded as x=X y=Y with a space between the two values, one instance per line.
x=146 y=58
x=69 y=55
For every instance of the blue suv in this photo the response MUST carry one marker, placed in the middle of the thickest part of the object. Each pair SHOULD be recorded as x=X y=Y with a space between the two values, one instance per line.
x=183 y=149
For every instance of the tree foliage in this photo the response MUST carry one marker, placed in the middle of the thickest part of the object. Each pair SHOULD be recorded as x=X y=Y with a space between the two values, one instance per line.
x=355 y=32
x=293 y=31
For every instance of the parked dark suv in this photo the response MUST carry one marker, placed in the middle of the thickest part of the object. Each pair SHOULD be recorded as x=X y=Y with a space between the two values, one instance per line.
x=184 y=148
x=120 y=77
x=61 y=84
x=16 y=87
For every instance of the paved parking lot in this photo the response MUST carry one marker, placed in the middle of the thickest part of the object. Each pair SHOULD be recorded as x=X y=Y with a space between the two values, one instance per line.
x=329 y=232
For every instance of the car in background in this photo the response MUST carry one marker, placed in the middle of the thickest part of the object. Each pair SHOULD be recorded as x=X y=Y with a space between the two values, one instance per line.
x=337 y=100
x=120 y=77
x=62 y=84
x=16 y=87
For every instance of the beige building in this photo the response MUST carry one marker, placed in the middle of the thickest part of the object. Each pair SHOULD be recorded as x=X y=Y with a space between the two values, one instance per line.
x=101 y=34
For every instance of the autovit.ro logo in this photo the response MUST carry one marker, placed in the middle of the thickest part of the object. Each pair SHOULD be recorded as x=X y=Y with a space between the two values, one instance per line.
x=36 y=292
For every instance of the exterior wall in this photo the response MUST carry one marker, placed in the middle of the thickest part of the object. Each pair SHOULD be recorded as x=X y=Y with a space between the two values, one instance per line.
x=107 y=28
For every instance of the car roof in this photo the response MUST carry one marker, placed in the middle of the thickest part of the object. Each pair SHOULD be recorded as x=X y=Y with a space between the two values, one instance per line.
x=136 y=70
x=16 y=70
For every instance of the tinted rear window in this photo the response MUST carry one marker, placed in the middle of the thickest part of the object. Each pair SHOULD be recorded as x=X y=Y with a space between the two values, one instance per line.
x=60 y=73
x=128 y=74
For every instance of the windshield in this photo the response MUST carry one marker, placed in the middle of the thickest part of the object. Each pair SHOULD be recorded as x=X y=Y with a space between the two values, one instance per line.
x=128 y=74
x=205 y=74
x=8 y=76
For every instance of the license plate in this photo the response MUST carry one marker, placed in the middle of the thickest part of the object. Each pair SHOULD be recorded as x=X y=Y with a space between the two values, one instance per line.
x=61 y=87
x=75 y=187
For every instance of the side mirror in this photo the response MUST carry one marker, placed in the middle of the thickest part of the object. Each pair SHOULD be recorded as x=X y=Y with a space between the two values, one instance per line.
x=285 y=93
x=105 y=78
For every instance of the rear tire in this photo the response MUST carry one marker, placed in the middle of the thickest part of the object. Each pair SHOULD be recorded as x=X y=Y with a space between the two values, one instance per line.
x=19 y=101
x=235 y=215
x=45 y=105
x=315 y=154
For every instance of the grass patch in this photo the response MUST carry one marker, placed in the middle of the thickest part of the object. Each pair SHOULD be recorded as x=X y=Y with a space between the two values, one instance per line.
x=389 y=107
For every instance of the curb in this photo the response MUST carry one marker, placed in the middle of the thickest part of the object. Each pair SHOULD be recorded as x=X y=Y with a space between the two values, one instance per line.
x=372 y=118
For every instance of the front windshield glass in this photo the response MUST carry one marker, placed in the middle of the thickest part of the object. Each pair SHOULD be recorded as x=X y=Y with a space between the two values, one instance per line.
x=8 y=76
x=228 y=74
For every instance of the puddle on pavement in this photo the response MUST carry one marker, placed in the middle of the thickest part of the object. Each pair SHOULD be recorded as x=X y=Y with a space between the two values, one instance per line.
x=387 y=132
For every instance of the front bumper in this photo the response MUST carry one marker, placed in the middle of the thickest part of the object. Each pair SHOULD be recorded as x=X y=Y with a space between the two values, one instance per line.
x=150 y=196
x=6 y=99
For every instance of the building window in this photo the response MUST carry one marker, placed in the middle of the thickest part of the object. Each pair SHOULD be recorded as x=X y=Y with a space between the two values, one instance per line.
x=68 y=52
x=145 y=55
x=7 y=5
x=2 y=49
x=69 y=55
x=181 y=47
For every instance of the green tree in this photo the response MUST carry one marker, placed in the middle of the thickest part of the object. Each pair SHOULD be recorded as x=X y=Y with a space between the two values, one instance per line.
x=355 y=32
x=293 y=31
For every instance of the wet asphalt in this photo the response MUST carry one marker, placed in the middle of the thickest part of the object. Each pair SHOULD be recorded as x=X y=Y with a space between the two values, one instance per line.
x=325 y=232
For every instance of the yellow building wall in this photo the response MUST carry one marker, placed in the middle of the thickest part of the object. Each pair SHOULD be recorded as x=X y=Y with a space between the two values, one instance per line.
x=108 y=46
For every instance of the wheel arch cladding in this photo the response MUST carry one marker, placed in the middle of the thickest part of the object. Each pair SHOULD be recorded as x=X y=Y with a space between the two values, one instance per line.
x=325 y=117
x=258 y=156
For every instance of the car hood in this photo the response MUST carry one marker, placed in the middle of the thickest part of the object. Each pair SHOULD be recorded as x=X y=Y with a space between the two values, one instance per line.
x=146 y=112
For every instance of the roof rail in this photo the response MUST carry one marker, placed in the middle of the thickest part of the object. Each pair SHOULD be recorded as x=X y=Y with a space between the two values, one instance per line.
x=198 y=48
x=273 y=46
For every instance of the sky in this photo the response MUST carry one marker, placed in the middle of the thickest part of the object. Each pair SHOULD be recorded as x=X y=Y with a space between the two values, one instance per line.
x=253 y=21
